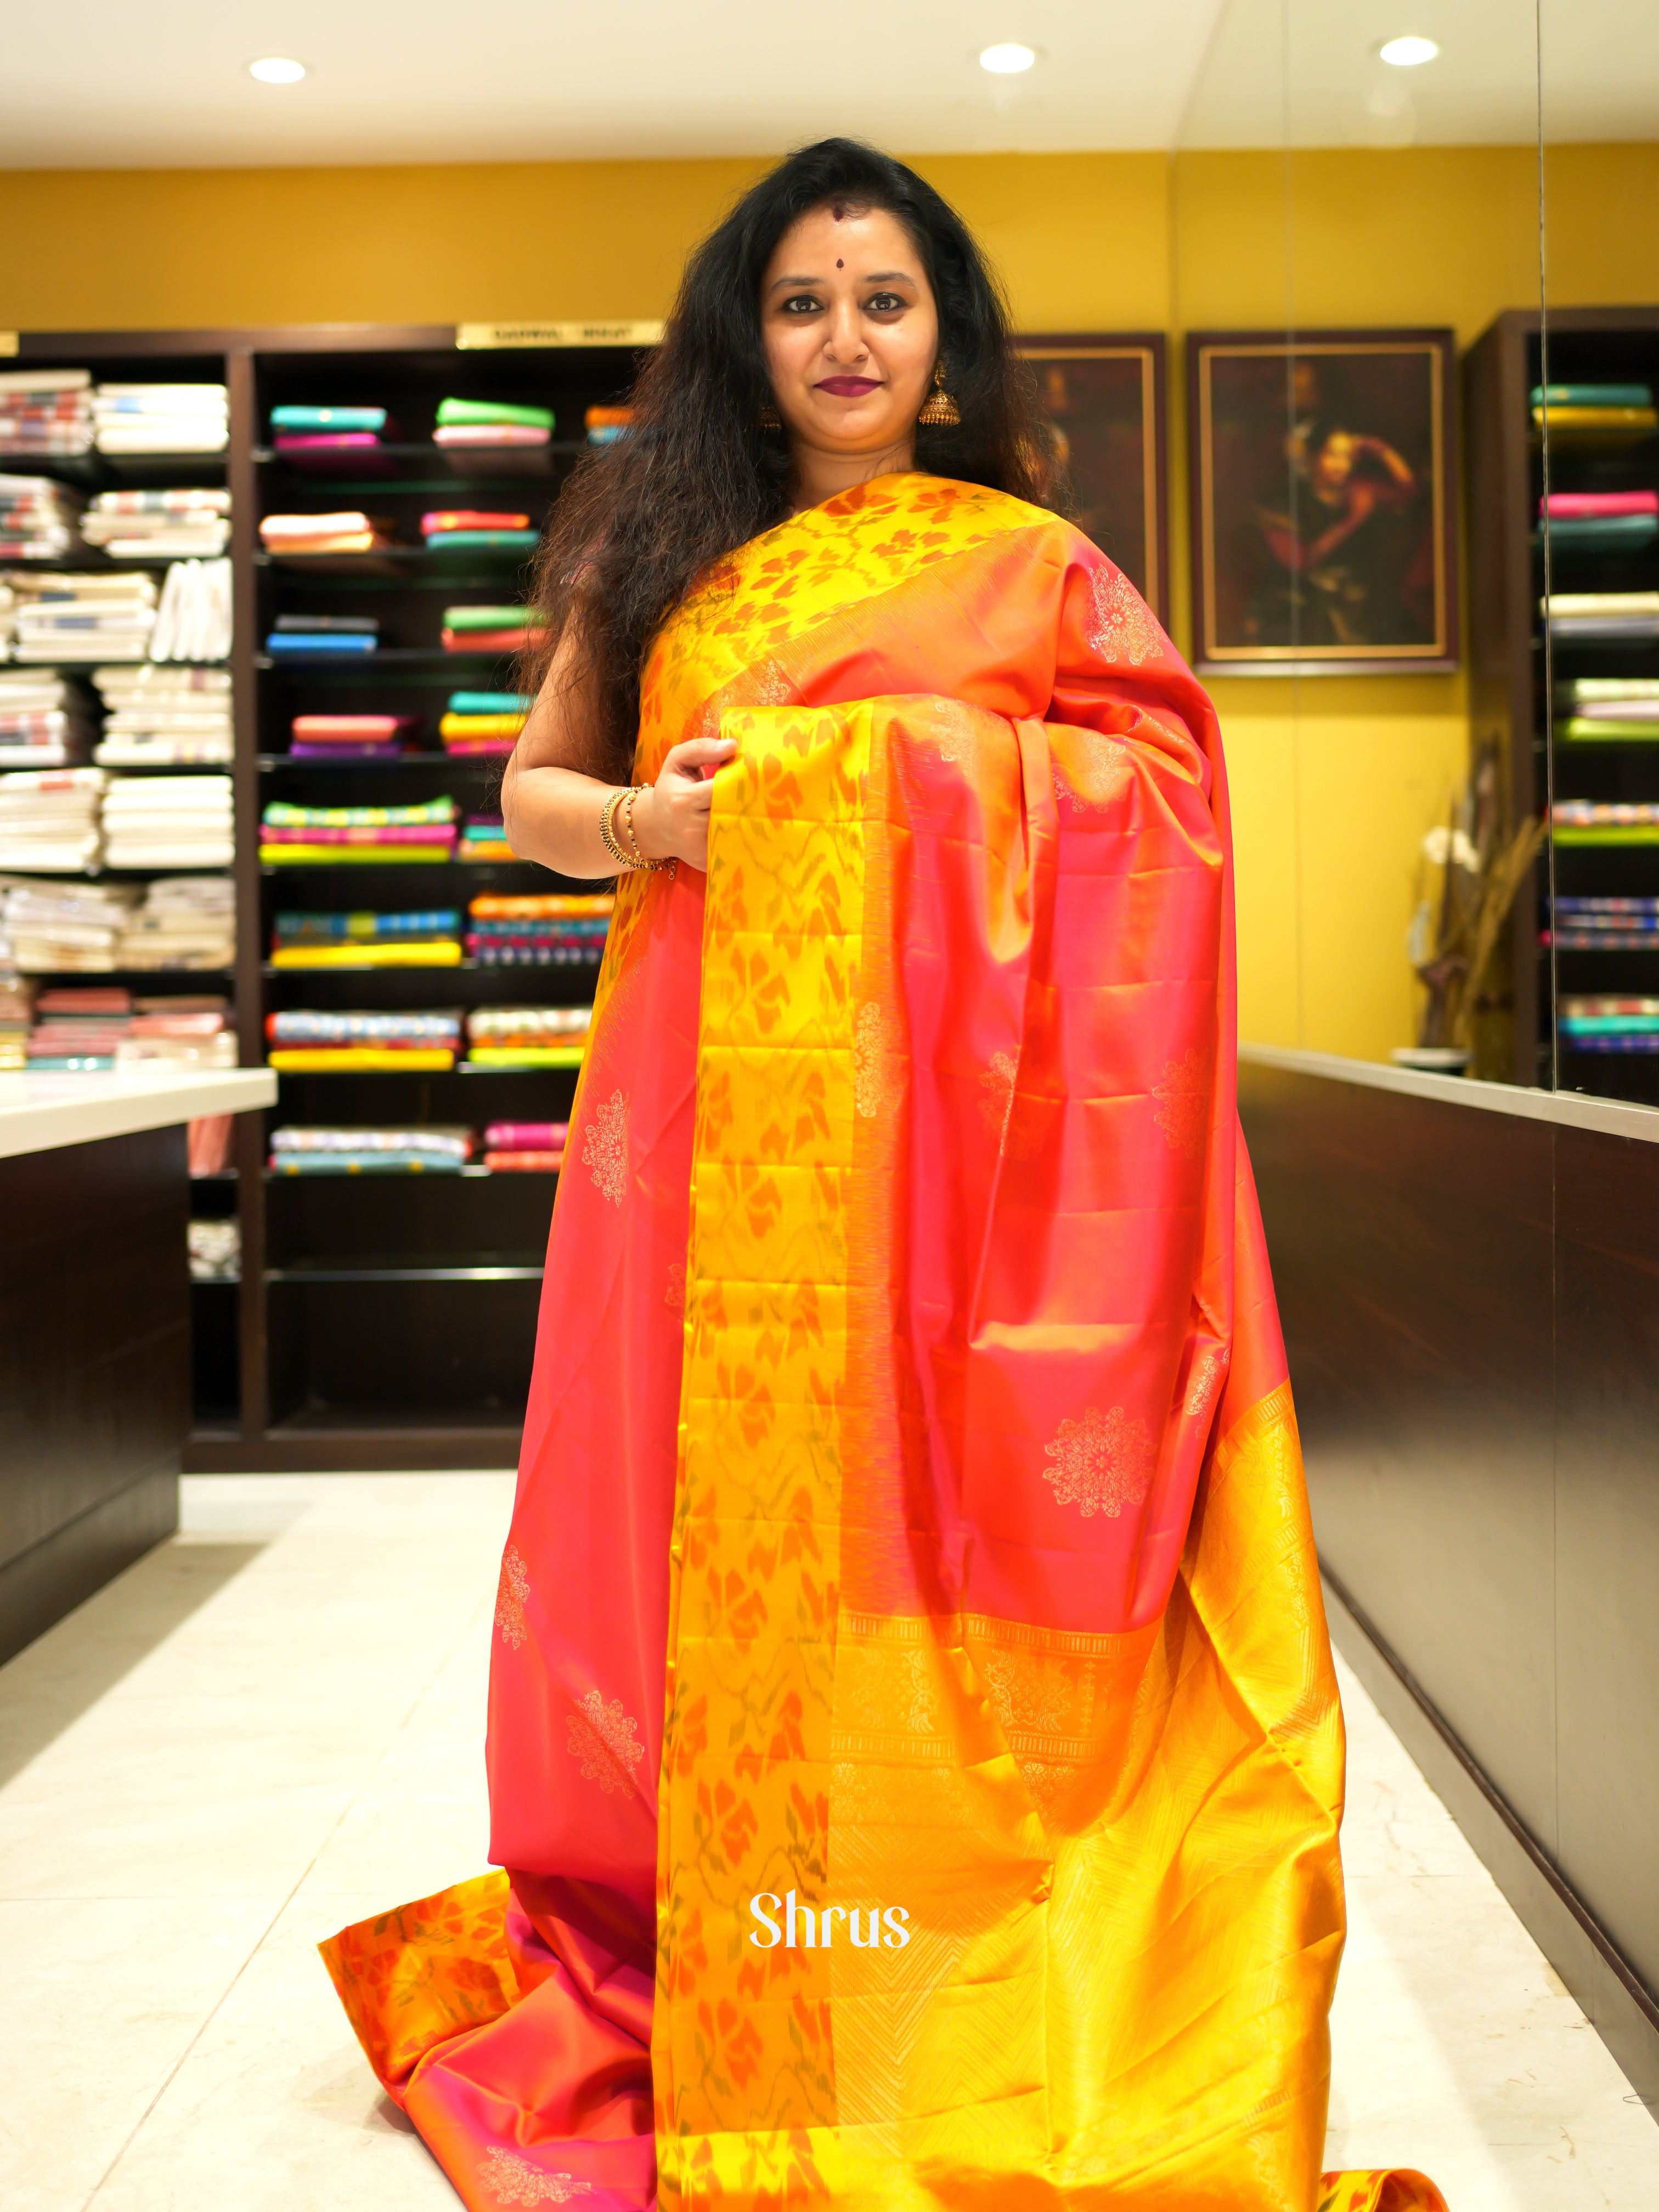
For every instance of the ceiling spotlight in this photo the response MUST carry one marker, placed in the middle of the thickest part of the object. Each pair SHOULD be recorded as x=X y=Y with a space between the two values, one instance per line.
x=275 y=71
x=1007 y=60
x=1407 y=53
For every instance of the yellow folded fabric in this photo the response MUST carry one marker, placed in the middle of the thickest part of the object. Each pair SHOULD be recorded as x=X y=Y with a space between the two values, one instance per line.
x=317 y=1059
x=527 y=1055
x=444 y=955
x=287 y=856
x=481 y=725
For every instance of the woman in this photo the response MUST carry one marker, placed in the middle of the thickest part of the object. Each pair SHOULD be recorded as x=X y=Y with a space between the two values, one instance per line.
x=914 y=1751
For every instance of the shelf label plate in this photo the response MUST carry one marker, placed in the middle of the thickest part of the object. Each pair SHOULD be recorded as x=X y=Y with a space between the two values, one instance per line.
x=481 y=336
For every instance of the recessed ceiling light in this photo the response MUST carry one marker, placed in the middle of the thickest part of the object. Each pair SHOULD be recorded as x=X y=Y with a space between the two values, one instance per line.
x=1007 y=60
x=275 y=71
x=1407 y=53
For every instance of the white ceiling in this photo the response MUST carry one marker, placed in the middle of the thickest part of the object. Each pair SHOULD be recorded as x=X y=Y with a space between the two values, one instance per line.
x=163 y=83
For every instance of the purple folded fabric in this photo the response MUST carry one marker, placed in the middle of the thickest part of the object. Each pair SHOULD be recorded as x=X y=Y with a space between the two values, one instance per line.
x=383 y=832
x=388 y=750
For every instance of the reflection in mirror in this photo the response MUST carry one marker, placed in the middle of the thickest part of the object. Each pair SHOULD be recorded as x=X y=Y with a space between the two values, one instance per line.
x=1356 y=202
x=1592 y=374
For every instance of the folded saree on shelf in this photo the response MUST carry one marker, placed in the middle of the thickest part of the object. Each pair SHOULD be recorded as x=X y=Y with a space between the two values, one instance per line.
x=916 y=1758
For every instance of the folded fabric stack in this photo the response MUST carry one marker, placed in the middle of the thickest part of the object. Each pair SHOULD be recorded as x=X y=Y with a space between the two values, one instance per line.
x=304 y=836
x=348 y=736
x=17 y=1019
x=46 y=721
x=1609 y=1025
x=1601 y=521
x=554 y=930
x=604 y=425
x=38 y=519
x=1599 y=925
x=526 y=1147
x=215 y=1250
x=351 y=635
x=1610 y=709
x=77 y=617
x=193 y=620
x=169 y=821
x=349 y=532
x=481 y=723
x=183 y=1032
x=1604 y=414
x=484 y=838
x=1608 y=614
x=162 y=418
x=527 y=1037
x=490 y=629
x=78 y=1031
x=470 y=530
x=322 y=431
x=135 y=525
x=463 y=422
x=49 y=820
x=186 y=923
x=8 y=615
x=46 y=410
x=433 y=1148
x=161 y=715
x=1587 y=822
x=305 y=1042
x=68 y=929
x=426 y=940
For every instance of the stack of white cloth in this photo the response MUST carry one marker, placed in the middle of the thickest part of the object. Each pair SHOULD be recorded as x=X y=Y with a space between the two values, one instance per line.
x=49 y=820
x=161 y=715
x=168 y=822
x=193 y=620
x=46 y=410
x=38 y=519
x=45 y=719
x=186 y=922
x=131 y=525
x=66 y=929
x=162 y=418
x=79 y=617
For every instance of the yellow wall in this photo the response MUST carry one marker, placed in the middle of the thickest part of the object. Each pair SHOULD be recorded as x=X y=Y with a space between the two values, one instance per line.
x=1333 y=780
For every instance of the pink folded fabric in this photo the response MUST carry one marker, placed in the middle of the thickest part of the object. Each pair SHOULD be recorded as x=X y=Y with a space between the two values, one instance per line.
x=1565 y=505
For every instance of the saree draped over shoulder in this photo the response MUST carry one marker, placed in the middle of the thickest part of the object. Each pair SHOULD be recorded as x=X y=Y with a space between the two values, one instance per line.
x=915 y=1758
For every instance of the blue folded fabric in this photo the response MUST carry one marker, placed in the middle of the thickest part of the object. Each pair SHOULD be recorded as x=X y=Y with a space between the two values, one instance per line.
x=323 y=641
x=328 y=418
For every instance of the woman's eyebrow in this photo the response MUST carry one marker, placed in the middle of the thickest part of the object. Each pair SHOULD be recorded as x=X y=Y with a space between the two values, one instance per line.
x=778 y=282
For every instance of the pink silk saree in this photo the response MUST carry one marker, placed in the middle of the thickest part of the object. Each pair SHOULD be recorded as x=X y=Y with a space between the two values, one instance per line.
x=915 y=1758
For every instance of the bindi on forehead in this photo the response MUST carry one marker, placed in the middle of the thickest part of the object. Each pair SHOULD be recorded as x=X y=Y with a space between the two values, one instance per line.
x=841 y=264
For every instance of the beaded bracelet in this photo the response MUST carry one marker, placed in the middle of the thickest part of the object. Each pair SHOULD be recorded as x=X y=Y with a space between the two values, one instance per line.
x=607 y=833
x=636 y=861
x=632 y=834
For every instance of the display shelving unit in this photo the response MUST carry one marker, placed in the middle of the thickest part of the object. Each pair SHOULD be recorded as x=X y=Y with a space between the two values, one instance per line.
x=382 y=1321
x=1515 y=666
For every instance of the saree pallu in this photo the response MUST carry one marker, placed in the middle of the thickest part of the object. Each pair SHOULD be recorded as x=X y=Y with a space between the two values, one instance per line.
x=915 y=1755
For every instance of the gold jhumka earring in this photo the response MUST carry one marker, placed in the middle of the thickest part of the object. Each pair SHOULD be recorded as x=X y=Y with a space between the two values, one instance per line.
x=941 y=412
x=767 y=418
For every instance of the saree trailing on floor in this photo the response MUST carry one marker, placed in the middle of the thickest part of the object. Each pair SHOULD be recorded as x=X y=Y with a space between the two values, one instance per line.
x=913 y=1749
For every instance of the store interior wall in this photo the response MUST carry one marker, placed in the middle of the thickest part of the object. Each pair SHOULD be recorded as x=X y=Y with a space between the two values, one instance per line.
x=1334 y=779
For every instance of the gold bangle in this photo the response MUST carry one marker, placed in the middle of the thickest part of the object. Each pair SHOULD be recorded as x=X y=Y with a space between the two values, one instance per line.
x=607 y=830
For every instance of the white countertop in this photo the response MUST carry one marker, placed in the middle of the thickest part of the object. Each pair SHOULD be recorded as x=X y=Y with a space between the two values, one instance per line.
x=1571 y=1110
x=39 y=1113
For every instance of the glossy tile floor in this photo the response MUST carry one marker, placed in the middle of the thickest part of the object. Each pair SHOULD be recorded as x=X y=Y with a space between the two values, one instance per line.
x=272 y=1725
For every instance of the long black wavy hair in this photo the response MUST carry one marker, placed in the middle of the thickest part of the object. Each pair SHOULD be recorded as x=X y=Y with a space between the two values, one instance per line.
x=697 y=475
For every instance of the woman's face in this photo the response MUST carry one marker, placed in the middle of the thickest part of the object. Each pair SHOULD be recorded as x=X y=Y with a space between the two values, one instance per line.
x=851 y=331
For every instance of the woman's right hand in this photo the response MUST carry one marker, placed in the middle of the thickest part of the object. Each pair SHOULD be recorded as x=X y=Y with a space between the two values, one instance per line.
x=670 y=820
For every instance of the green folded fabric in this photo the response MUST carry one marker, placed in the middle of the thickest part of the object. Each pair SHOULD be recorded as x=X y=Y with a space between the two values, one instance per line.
x=453 y=414
x=491 y=617
x=1590 y=729
x=490 y=702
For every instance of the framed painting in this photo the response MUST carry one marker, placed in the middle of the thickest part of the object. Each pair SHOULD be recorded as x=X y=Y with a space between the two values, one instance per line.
x=1324 y=537
x=1103 y=392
